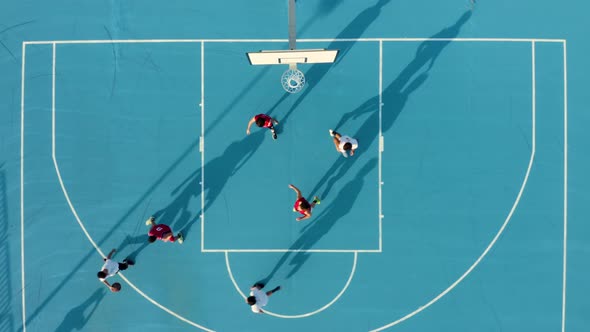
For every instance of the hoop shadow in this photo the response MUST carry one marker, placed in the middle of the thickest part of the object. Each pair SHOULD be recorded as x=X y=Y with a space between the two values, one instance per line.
x=324 y=222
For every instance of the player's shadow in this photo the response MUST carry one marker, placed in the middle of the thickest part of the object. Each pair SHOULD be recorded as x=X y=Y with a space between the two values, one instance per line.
x=137 y=243
x=231 y=105
x=316 y=72
x=222 y=168
x=323 y=9
x=178 y=212
x=77 y=318
x=396 y=93
x=395 y=97
x=366 y=135
x=321 y=224
x=128 y=215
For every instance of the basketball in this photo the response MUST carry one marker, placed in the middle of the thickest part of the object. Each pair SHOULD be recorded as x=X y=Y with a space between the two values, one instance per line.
x=116 y=286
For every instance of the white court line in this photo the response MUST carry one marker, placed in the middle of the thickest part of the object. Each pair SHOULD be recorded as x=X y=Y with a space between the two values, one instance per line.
x=563 y=301
x=380 y=215
x=394 y=323
x=131 y=41
x=67 y=197
x=534 y=86
x=233 y=280
x=55 y=160
x=381 y=147
x=22 y=187
x=506 y=221
x=202 y=146
x=325 y=251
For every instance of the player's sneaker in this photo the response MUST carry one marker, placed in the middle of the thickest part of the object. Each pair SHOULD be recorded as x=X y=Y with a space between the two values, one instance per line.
x=331 y=132
x=316 y=200
x=274 y=135
x=180 y=238
x=151 y=221
x=128 y=261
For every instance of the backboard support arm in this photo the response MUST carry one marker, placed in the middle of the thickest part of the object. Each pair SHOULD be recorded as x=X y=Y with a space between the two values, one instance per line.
x=292 y=25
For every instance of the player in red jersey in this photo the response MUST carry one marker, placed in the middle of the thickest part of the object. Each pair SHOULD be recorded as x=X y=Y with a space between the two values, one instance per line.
x=263 y=121
x=162 y=232
x=302 y=205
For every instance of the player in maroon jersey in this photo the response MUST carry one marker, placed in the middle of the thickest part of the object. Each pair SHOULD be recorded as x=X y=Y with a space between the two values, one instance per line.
x=162 y=232
x=263 y=121
x=302 y=205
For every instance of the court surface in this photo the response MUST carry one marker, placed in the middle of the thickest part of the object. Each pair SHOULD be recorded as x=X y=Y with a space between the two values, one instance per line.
x=462 y=210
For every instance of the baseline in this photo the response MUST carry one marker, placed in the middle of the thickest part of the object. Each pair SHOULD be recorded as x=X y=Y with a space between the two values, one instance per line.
x=122 y=41
x=233 y=280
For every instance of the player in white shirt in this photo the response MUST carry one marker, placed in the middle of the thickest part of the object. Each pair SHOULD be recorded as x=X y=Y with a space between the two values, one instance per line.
x=259 y=298
x=344 y=144
x=110 y=268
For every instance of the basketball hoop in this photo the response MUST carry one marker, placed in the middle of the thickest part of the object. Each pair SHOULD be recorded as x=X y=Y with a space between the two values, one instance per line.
x=293 y=80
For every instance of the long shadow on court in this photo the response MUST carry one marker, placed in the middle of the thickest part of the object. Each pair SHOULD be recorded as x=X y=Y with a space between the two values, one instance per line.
x=77 y=318
x=237 y=154
x=366 y=134
x=177 y=213
x=138 y=243
x=394 y=97
x=321 y=224
x=225 y=112
x=125 y=218
x=316 y=73
x=323 y=9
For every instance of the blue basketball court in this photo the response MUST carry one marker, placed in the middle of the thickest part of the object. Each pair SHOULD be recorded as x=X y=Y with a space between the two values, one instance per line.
x=461 y=210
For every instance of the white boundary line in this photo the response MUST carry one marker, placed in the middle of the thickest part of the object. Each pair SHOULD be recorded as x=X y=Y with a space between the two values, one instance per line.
x=381 y=145
x=22 y=187
x=506 y=221
x=67 y=197
x=383 y=39
x=202 y=146
x=233 y=280
x=127 y=41
x=564 y=290
x=325 y=251
x=534 y=88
